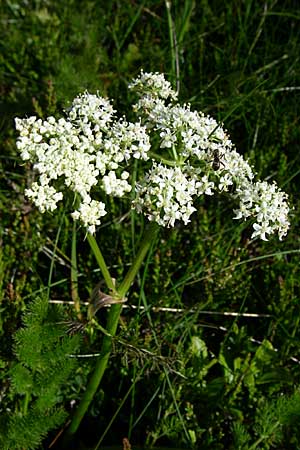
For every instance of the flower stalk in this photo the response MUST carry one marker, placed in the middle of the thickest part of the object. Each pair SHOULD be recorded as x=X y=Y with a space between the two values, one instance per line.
x=101 y=263
x=112 y=320
x=74 y=274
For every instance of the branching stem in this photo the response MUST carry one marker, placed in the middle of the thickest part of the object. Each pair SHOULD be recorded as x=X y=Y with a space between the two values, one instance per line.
x=112 y=320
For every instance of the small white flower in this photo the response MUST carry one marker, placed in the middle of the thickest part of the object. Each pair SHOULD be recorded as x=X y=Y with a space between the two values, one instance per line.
x=154 y=84
x=45 y=197
x=225 y=181
x=87 y=108
x=116 y=186
x=90 y=214
x=261 y=230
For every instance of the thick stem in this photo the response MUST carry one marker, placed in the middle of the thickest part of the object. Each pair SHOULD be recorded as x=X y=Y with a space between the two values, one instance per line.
x=112 y=323
x=111 y=327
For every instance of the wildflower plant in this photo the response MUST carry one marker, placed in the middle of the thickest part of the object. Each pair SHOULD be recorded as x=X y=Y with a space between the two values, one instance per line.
x=185 y=155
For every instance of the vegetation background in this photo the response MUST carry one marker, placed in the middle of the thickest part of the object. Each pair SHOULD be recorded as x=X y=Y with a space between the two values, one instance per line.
x=223 y=371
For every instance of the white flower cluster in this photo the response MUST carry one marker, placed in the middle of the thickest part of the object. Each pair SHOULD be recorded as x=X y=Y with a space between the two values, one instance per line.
x=87 y=108
x=193 y=134
x=203 y=153
x=166 y=194
x=89 y=213
x=153 y=84
x=267 y=204
x=44 y=195
x=192 y=155
x=84 y=150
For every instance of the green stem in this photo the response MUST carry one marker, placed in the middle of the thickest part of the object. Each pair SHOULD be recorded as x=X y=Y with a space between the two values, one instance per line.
x=74 y=273
x=55 y=249
x=173 y=45
x=112 y=322
x=26 y=403
x=171 y=36
x=101 y=263
x=145 y=244
x=264 y=436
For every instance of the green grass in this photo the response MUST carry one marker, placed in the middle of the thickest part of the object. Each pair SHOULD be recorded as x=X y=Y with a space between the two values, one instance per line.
x=184 y=377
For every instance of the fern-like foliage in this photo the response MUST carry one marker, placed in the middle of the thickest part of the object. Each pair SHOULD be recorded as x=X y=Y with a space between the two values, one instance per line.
x=27 y=431
x=241 y=436
x=273 y=418
x=43 y=367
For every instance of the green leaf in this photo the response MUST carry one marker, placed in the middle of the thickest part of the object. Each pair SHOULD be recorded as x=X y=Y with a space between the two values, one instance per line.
x=21 y=379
